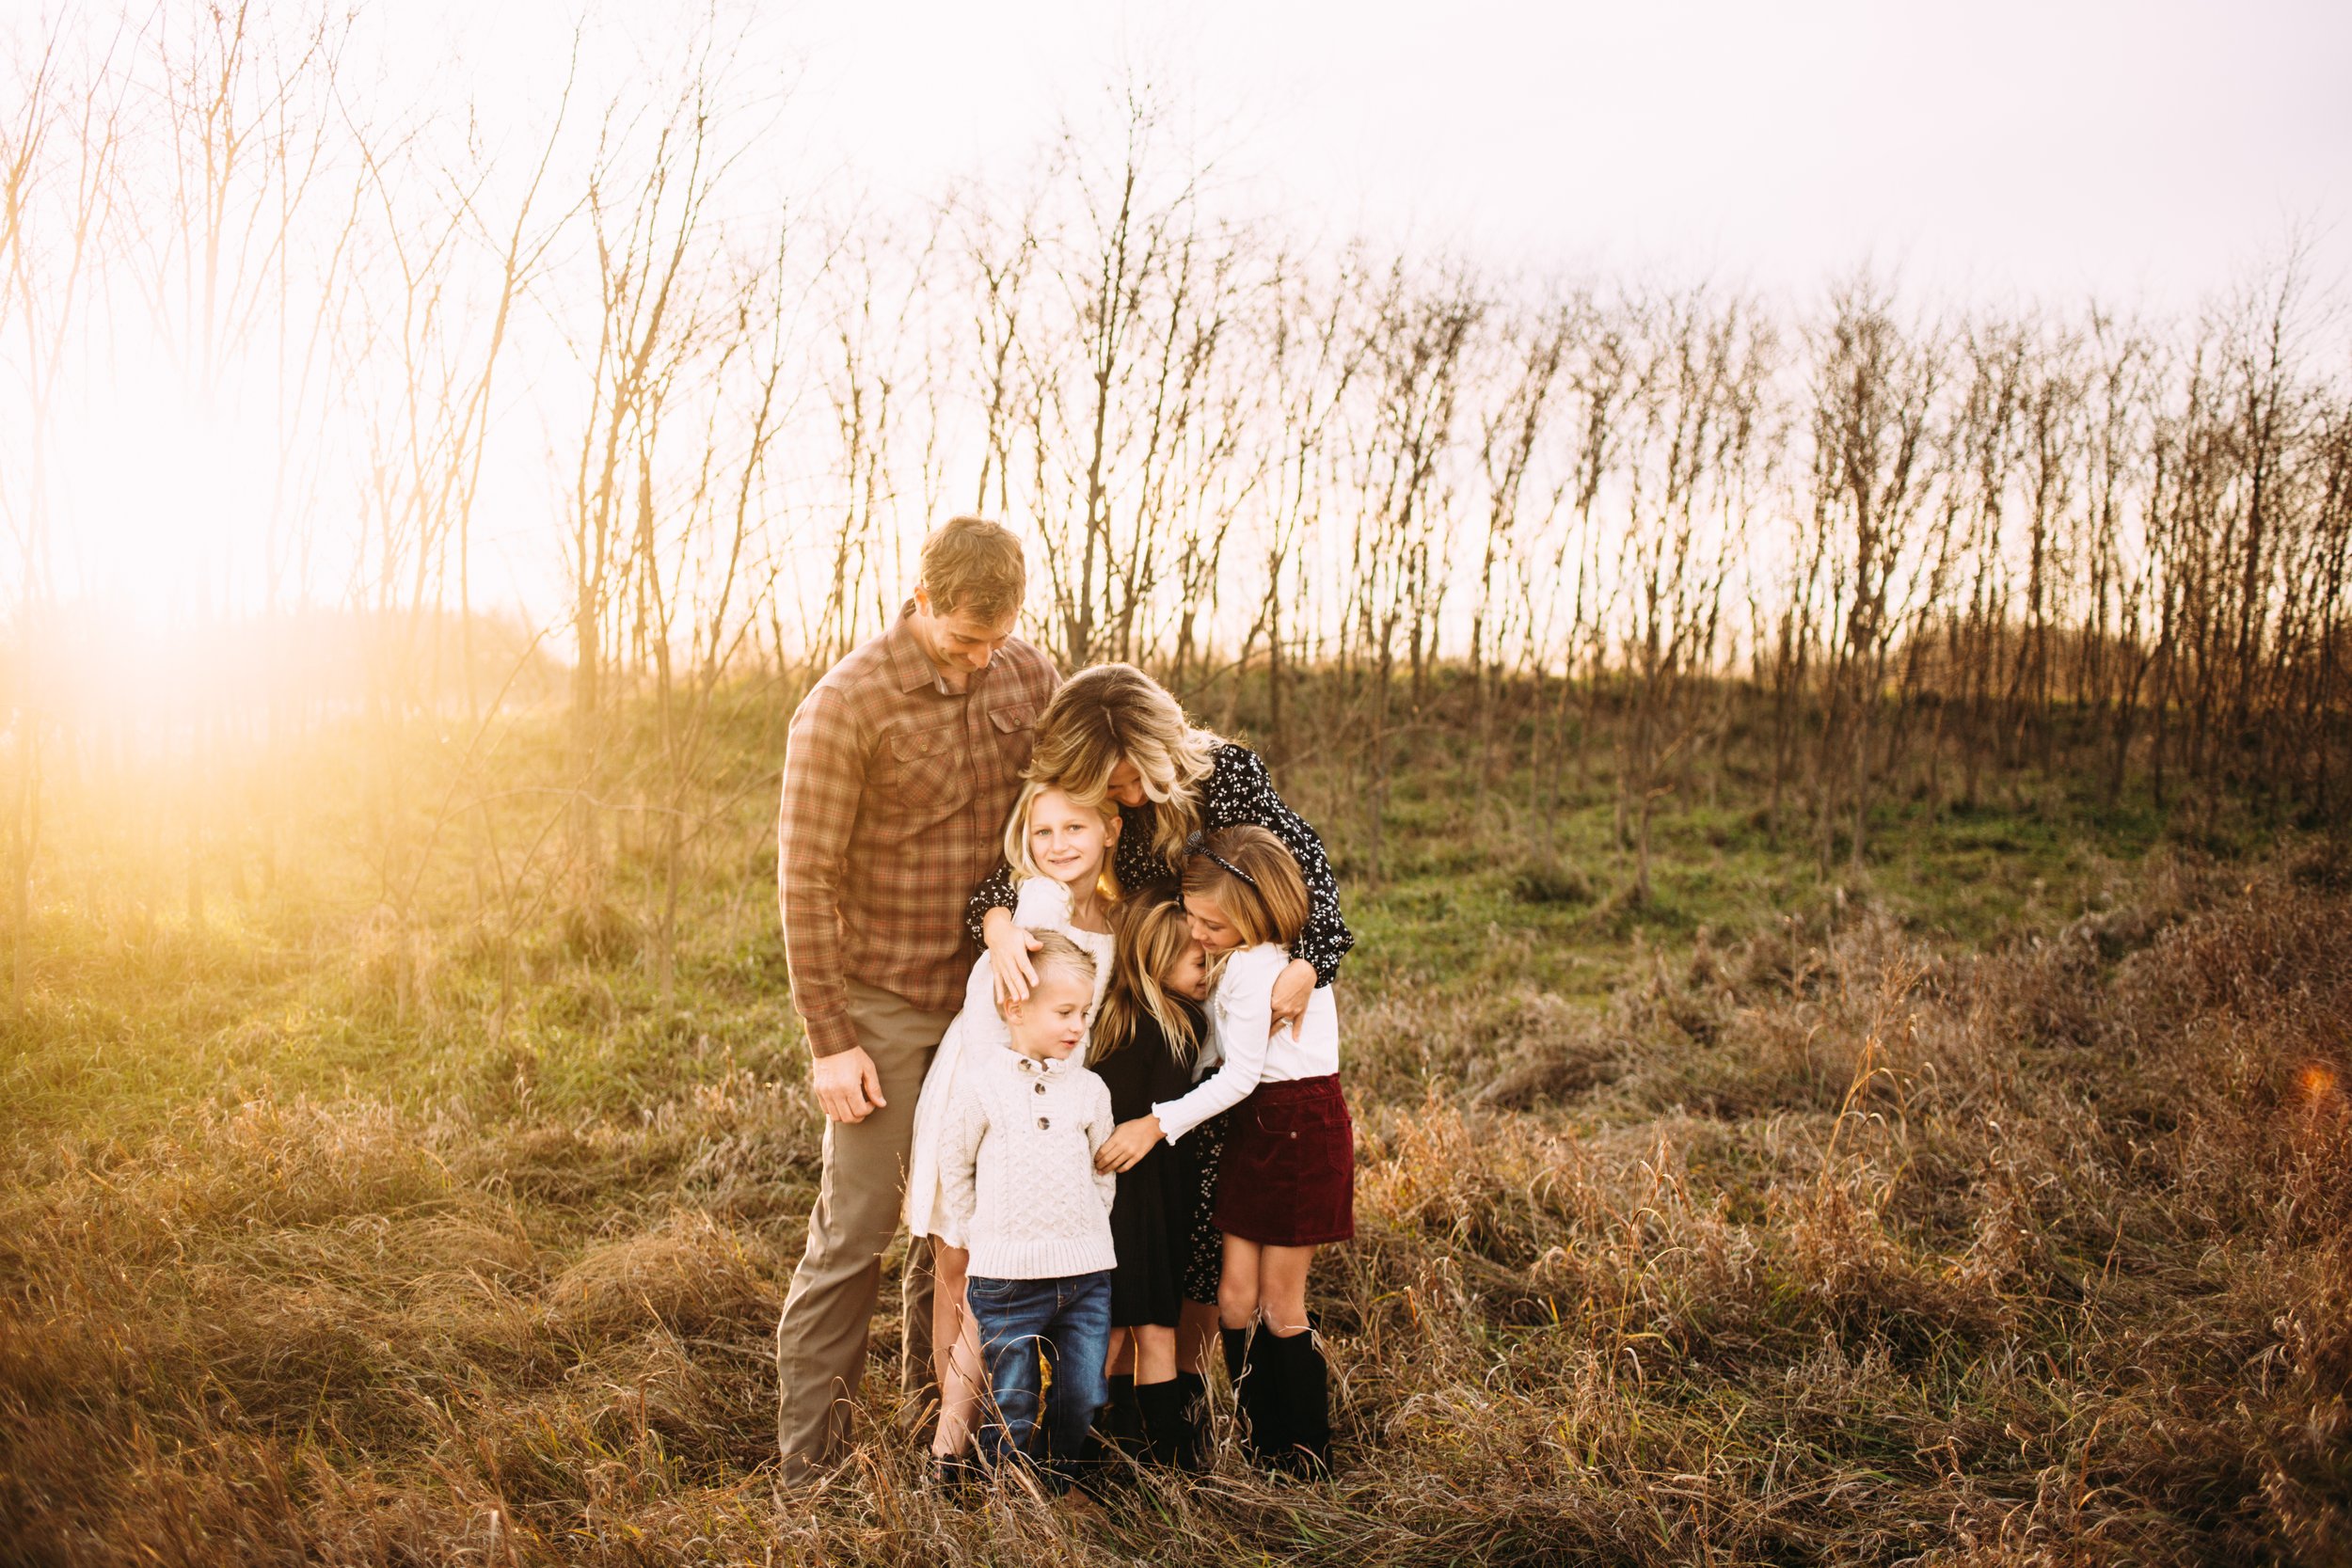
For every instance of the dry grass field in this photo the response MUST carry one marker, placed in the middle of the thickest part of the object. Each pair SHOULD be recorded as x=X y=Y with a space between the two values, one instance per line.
x=1988 y=1208
x=1813 y=613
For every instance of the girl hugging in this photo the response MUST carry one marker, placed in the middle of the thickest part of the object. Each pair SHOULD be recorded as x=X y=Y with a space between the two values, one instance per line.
x=1286 y=1178
x=1058 y=849
x=1150 y=1043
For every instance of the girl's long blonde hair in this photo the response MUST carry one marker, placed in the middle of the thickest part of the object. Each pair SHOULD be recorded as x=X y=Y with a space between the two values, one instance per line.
x=1111 y=713
x=1017 y=833
x=1151 y=934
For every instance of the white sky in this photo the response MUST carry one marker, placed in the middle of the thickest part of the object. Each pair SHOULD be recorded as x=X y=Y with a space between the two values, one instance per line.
x=2150 y=154
x=2153 y=150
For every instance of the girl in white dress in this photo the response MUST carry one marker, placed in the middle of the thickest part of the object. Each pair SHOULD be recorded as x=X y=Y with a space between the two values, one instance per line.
x=1060 y=850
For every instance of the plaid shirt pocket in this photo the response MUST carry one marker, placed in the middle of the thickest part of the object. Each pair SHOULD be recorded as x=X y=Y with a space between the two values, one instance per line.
x=1015 y=726
x=927 y=771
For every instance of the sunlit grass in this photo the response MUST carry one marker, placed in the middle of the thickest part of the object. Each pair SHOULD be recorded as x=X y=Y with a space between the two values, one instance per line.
x=1984 y=1202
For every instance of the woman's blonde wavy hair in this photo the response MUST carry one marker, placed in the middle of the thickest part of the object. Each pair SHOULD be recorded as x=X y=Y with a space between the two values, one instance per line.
x=1151 y=934
x=1110 y=712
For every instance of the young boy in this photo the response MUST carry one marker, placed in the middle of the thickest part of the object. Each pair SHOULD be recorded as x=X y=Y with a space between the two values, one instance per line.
x=1017 y=1174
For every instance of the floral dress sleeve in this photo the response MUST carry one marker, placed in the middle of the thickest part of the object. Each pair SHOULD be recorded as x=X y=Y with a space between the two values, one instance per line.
x=1239 y=792
x=994 y=893
x=1136 y=861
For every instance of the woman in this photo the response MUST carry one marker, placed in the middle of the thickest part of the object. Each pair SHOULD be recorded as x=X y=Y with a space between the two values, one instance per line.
x=1113 y=731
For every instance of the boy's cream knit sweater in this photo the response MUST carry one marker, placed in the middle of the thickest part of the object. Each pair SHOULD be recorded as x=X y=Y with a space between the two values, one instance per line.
x=1017 y=1166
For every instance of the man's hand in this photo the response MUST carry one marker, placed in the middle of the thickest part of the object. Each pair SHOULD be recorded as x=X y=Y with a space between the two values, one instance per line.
x=847 y=1084
x=1293 y=987
x=1129 y=1141
x=1008 y=950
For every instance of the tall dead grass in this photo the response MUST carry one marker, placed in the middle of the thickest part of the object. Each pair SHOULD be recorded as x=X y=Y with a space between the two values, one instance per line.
x=1822 y=1246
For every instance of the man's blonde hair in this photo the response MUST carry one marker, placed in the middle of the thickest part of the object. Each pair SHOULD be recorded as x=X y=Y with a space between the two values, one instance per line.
x=970 y=564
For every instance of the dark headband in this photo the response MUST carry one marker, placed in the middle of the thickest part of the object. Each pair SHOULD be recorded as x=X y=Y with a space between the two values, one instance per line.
x=1198 y=845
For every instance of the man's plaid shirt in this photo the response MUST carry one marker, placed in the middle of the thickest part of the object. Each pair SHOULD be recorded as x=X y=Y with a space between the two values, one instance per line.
x=896 y=791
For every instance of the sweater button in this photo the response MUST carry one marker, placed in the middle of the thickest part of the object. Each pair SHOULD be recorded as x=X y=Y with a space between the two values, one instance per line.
x=1040 y=1088
x=1044 y=1122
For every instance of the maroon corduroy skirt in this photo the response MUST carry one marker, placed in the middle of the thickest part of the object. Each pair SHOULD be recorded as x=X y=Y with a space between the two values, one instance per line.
x=1288 y=1174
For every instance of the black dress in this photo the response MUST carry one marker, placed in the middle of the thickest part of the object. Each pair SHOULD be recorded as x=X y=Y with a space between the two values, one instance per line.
x=1159 y=1206
x=1237 y=792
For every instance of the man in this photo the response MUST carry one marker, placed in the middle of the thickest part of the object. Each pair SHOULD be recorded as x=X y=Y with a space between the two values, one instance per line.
x=900 y=767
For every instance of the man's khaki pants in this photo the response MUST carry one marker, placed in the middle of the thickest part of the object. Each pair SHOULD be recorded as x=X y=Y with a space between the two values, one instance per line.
x=820 y=1340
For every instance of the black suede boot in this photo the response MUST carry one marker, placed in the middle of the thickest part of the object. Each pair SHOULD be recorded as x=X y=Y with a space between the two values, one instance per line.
x=1255 y=1406
x=1195 y=1413
x=1302 y=1387
x=1162 y=1406
x=1122 y=1421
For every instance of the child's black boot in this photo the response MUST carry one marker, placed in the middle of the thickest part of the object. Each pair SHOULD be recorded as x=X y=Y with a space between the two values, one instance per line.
x=1196 y=1390
x=1256 y=1406
x=1121 y=1420
x=1195 y=1415
x=1235 y=1344
x=1302 y=1387
x=1164 y=1436
x=1093 y=1468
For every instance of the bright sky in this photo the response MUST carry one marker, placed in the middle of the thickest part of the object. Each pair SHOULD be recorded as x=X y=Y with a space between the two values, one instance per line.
x=2045 y=148
x=2152 y=149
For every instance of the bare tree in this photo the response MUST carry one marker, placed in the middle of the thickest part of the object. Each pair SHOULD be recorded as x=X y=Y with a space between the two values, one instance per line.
x=60 y=159
x=242 y=146
x=648 y=208
x=1687 y=468
x=1873 y=476
x=1397 y=567
x=1312 y=351
x=1511 y=442
x=871 y=375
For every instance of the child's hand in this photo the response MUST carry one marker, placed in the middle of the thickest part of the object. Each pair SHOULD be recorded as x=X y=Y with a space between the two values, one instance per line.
x=1008 y=950
x=1129 y=1141
x=1292 y=989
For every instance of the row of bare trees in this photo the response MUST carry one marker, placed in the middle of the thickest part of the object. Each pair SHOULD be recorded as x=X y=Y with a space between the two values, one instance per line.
x=613 y=377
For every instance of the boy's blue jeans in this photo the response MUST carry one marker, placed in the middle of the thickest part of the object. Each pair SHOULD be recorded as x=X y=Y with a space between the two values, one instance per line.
x=1068 y=1320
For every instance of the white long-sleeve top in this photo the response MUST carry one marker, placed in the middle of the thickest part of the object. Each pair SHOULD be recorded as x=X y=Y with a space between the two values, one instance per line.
x=1016 y=1171
x=1241 y=1011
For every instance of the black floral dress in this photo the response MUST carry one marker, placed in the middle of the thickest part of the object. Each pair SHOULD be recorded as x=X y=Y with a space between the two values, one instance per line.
x=1197 y=1155
x=1162 y=1204
x=1237 y=792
